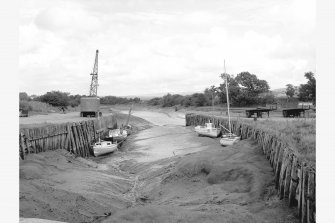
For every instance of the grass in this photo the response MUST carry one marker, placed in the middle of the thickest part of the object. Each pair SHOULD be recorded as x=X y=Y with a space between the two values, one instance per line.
x=37 y=107
x=300 y=134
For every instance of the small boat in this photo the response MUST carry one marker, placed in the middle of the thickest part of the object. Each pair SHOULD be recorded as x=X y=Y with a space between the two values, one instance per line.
x=103 y=147
x=229 y=138
x=208 y=130
x=117 y=135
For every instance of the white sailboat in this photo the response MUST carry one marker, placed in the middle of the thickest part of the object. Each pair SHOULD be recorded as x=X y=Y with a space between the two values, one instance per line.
x=209 y=129
x=120 y=134
x=228 y=138
x=102 y=147
x=117 y=135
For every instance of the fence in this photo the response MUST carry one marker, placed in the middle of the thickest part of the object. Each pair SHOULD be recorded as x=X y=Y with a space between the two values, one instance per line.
x=74 y=137
x=294 y=179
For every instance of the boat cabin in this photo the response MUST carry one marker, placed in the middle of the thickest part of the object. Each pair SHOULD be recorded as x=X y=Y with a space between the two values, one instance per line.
x=209 y=125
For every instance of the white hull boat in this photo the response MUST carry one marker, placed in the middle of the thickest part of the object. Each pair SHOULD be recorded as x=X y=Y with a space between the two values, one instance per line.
x=117 y=135
x=229 y=139
x=103 y=147
x=208 y=130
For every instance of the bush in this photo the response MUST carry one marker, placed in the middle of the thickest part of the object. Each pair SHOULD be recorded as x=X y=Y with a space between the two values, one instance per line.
x=155 y=101
x=24 y=105
x=113 y=100
x=55 y=98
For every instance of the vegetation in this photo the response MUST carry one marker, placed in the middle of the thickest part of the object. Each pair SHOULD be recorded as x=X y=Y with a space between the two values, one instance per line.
x=35 y=106
x=299 y=133
x=307 y=92
x=55 y=98
x=244 y=90
x=290 y=90
x=113 y=100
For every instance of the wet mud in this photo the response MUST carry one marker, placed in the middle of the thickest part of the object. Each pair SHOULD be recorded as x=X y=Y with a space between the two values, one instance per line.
x=165 y=173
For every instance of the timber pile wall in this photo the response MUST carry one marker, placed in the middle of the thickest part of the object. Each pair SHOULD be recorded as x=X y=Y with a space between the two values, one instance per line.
x=74 y=137
x=294 y=179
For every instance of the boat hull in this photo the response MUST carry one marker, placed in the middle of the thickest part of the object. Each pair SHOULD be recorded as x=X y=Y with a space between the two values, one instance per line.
x=100 y=150
x=229 y=140
x=115 y=135
x=213 y=132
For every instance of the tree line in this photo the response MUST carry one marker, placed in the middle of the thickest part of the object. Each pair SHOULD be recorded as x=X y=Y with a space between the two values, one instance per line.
x=305 y=92
x=64 y=99
x=245 y=89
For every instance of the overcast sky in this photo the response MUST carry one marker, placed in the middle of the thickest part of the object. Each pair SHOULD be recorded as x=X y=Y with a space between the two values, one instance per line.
x=159 y=46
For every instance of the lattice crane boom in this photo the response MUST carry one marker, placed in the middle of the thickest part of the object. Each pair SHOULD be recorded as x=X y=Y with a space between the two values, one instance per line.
x=94 y=82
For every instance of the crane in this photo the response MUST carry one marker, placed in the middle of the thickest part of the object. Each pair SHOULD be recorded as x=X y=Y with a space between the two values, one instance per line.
x=94 y=81
x=90 y=106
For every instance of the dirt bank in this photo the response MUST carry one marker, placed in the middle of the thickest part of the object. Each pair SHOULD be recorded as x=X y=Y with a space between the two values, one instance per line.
x=162 y=174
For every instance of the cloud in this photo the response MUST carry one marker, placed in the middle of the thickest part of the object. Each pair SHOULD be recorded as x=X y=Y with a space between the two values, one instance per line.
x=67 y=19
x=152 y=46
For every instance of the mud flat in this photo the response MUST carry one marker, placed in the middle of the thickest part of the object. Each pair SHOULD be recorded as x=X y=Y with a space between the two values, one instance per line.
x=165 y=173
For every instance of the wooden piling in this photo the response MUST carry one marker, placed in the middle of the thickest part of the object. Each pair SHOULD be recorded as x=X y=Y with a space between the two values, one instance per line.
x=287 y=179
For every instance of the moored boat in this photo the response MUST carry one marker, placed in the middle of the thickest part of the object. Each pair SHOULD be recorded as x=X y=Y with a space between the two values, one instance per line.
x=116 y=135
x=103 y=147
x=229 y=138
x=208 y=130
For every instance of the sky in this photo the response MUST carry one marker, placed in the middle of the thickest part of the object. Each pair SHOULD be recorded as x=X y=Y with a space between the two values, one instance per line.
x=160 y=46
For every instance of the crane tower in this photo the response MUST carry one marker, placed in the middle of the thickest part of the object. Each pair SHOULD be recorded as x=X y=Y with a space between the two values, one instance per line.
x=94 y=82
x=90 y=106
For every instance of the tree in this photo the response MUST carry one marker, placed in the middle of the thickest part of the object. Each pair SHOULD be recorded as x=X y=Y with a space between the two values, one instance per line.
x=199 y=99
x=74 y=100
x=267 y=98
x=307 y=92
x=210 y=94
x=252 y=84
x=250 y=89
x=155 y=101
x=24 y=105
x=290 y=90
x=55 y=98
x=167 y=100
x=23 y=96
x=233 y=87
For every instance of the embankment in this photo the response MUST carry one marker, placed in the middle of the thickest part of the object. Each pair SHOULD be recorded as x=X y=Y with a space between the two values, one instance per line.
x=75 y=137
x=294 y=178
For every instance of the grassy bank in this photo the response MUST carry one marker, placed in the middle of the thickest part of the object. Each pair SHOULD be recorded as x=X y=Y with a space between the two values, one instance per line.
x=299 y=133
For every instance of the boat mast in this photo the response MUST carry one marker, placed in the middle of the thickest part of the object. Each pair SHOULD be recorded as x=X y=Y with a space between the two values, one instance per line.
x=224 y=64
x=212 y=106
x=99 y=124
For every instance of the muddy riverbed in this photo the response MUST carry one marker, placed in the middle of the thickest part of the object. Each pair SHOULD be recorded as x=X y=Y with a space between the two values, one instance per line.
x=165 y=173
